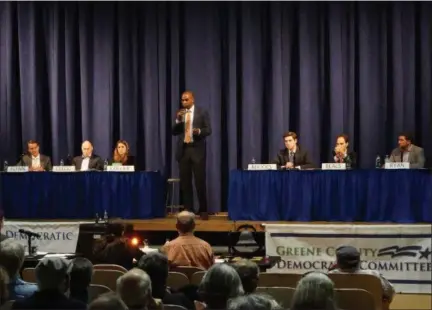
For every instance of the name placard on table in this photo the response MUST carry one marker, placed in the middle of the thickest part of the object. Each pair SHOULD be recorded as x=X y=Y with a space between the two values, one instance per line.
x=333 y=166
x=64 y=169
x=262 y=167
x=397 y=166
x=119 y=168
x=18 y=169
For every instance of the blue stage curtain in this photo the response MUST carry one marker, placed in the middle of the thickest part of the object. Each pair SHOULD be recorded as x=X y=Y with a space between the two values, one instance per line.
x=47 y=195
x=347 y=196
x=71 y=71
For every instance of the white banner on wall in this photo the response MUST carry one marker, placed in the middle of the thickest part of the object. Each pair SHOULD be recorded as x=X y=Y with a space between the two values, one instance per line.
x=401 y=253
x=55 y=237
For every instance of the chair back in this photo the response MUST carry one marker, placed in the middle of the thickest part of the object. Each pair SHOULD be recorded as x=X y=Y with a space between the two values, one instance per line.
x=95 y=290
x=188 y=271
x=283 y=295
x=29 y=275
x=268 y=279
x=173 y=307
x=177 y=280
x=109 y=267
x=197 y=277
x=7 y=305
x=107 y=278
x=354 y=299
x=367 y=282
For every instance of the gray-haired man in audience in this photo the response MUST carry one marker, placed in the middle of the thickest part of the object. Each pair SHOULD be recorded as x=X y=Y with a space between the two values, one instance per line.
x=348 y=261
x=253 y=301
x=52 y=277
x=12 y=256
x=108 y=301
x=249 y=274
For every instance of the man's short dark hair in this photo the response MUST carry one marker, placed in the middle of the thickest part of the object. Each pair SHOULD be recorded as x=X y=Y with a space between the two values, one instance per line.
x=156 y=265
x=290 y=134
x=81 y=273
x=32 y=142
x=249 y=274
x=407 y=136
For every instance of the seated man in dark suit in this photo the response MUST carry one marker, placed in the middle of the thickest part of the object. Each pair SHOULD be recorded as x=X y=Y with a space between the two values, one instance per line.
x=52 y=277
x=35 y=160
x=292 y=156
x=341 y=153
x=88 y=160
x=407 y=152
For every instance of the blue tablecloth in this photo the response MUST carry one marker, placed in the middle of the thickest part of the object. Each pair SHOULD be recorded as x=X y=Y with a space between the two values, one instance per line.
x=402 y=196
x=80 y=195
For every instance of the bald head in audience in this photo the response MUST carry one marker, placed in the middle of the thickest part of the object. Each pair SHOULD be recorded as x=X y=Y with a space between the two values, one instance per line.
x=134 y=288
x=108 y=301
x=185 y=222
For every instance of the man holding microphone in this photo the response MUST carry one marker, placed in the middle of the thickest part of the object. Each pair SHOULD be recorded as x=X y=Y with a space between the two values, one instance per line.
x=192 y=126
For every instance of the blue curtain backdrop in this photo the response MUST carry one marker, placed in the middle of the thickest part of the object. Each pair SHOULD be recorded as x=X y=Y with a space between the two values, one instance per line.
x=104 y=71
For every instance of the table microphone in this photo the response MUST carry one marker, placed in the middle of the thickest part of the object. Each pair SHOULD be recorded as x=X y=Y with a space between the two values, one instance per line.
x=29 y=233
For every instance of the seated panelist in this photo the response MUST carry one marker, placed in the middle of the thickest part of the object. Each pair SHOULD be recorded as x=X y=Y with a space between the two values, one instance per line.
x=88 y=160
x=407 y=152
x=341 y=153
x=292 y=156
x=121 y=154
x=35 y=160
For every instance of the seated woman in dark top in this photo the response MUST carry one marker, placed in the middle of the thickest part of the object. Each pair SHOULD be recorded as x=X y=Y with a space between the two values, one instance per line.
x=113 y=248
x=121 y=154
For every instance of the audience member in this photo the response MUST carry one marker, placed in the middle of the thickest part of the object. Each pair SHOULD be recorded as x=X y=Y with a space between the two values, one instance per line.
x=253 y=301
x=80 y=278
x=113 y=248
x=4 y=280
x=12 y=255
x=52 y=277
x=155 y=264
x=220 y=283
x=249 y=274
x=348 y=261
x=2 y=236
x=108 y=301
x=135 y=289
x=186 y=249
x=314 y=291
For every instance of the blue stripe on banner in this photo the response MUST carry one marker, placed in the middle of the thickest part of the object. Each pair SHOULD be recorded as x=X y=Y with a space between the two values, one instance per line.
x=371 y=236
x=428 y=282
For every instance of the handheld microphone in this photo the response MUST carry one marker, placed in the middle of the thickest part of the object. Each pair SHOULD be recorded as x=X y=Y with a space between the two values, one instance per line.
x=29 y=233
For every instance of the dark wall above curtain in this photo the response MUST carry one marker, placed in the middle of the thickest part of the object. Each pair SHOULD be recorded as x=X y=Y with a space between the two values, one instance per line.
x=109 y=70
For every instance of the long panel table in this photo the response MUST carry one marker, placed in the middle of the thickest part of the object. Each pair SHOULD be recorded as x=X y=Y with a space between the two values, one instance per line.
x=80 y=195
x=401 y=196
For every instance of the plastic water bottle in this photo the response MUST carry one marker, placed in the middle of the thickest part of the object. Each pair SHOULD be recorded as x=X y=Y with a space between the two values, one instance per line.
x=105 y=165
x=106 y=216
x=97 y=218
x=253 y=161
x=61 y=162
x=5 y=166
x=378 y=162
x=348 y=162
x=387 y=159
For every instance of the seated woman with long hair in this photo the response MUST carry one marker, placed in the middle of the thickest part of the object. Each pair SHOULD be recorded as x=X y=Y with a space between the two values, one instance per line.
x=121 y=154
x=113 y=248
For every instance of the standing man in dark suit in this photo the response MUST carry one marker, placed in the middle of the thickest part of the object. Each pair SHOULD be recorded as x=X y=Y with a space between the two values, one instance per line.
x=407 y=152
x=192 y=126
x=35 y=160
x=88 y=160
x=292 y=156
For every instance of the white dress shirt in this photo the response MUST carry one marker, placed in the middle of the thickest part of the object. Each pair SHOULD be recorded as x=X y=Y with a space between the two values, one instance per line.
x=35 y=161
x=85 y=164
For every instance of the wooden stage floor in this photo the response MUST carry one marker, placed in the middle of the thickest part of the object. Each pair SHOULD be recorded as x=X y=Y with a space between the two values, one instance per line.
x=218 y=223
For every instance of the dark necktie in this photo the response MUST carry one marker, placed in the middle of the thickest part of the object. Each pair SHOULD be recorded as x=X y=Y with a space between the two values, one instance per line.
x=291 y=157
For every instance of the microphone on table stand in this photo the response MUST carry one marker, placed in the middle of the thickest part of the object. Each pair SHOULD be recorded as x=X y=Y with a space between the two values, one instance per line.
x=29 y=234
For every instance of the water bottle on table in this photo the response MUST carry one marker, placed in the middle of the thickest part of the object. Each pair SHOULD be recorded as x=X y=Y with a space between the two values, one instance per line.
x=253 y=161
x=378 y=162
x=61 y=162
x=5 y=166
x=387 y=159
x=106 y=216
x=105 y=165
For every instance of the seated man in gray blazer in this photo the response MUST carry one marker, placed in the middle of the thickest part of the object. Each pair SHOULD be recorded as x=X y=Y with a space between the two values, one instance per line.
x=408 y=152
x=35 y=160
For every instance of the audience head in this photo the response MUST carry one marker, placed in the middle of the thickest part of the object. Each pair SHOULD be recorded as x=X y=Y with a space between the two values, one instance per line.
x=249 y=274
x=404 y=140
x=290 y=140
x=108 y=301
x=121 y=151
x=253 y=301
x=314 y=291
x=87 y=148
x=81 y=273
x=187 y=99
x=347 y=258
x=52 y=273
x=135 y=289
x=185 y=222
x=4 y=281
x=12 y=256
x=220 y=283
x=33 y=147
x=156 y=265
